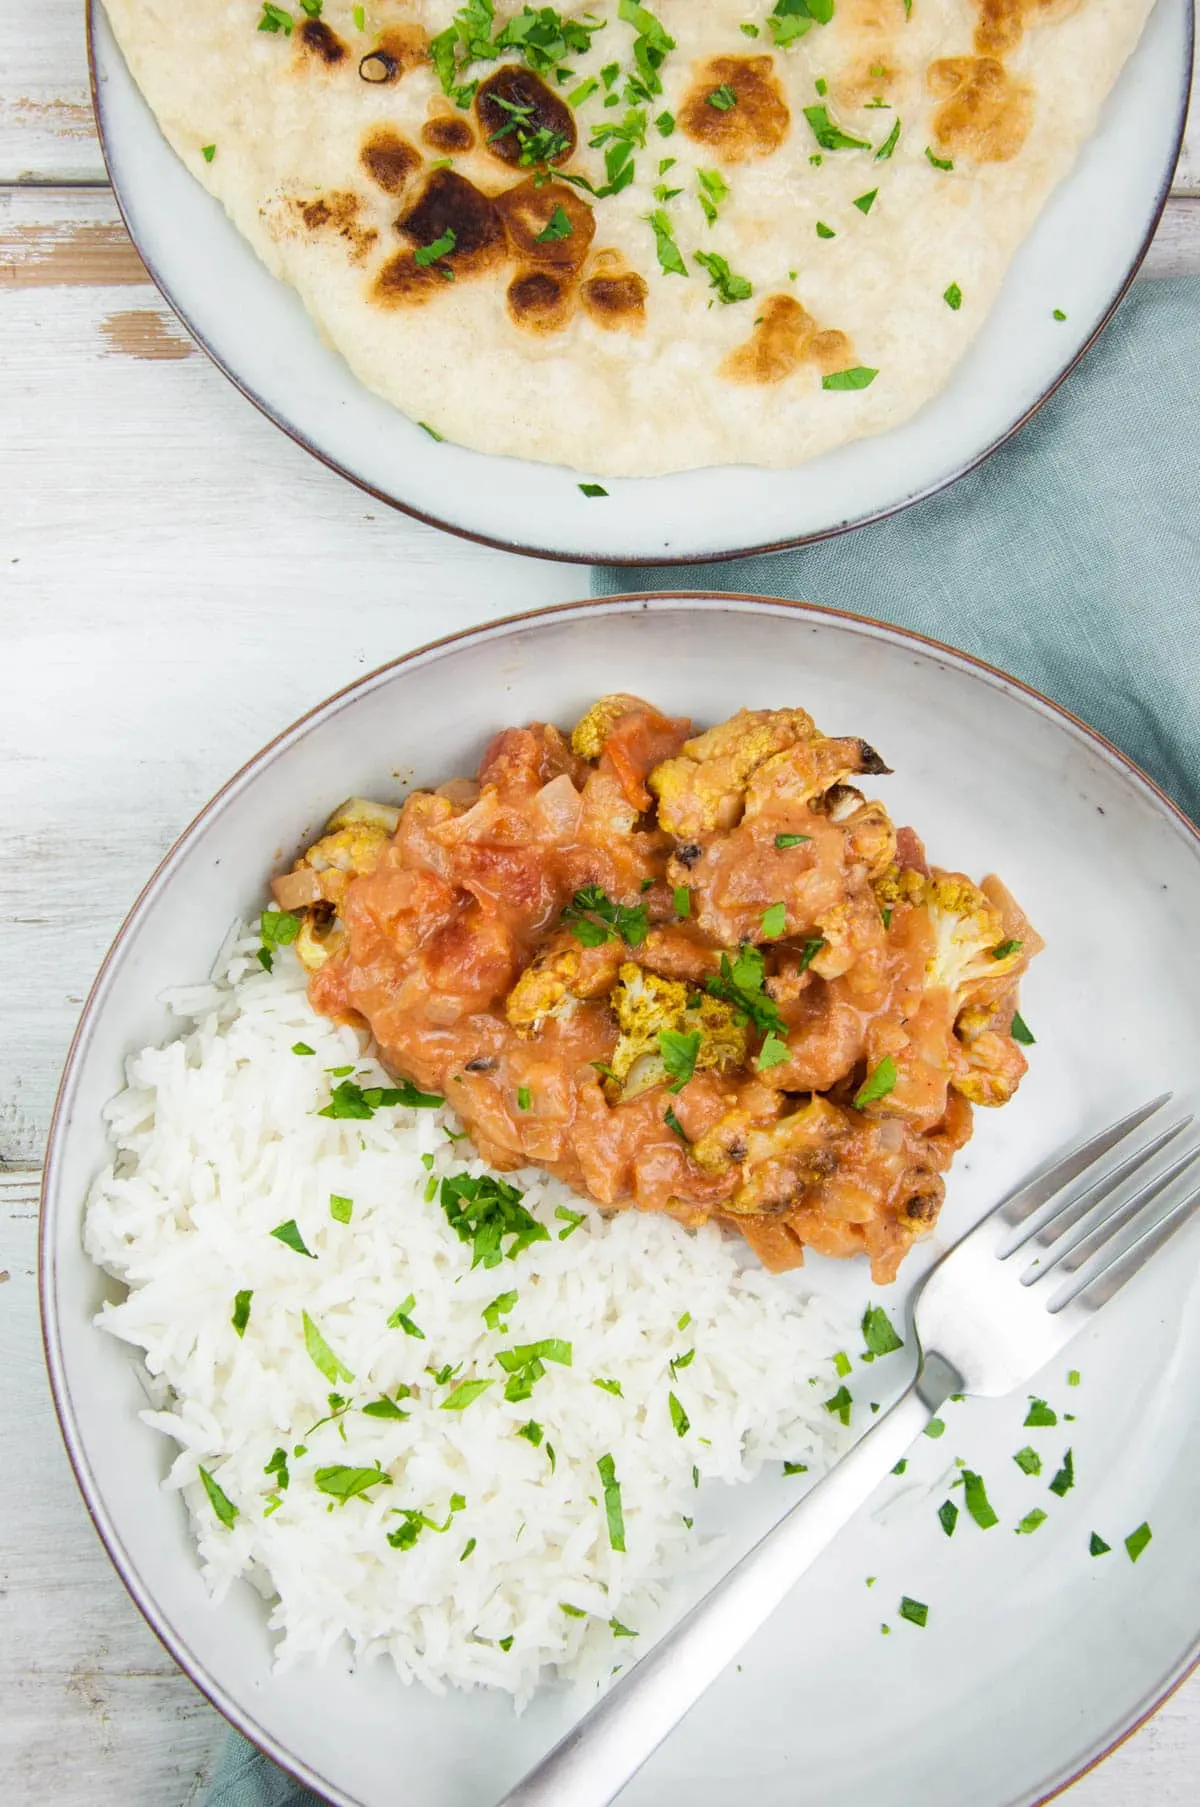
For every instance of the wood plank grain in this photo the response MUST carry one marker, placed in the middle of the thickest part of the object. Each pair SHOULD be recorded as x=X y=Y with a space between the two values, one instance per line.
x=46 y=128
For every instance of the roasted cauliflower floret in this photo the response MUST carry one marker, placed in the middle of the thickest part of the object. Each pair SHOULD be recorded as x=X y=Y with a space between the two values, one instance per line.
x=646 y=1005
x=990 y=1066
x=801 y=773
x=969 y=945
x=357 y=811
x=703 y=789
x=592 y=730
x=324 y=870
x=318 y=937
x=562 y=973
x=870 y=836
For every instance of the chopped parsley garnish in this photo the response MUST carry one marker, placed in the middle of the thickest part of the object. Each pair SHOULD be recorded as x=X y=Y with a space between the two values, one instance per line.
x=842 y=1363
x=432 y=431
x=915 y=1611
x=1073 y=1377
x=878 y=1333
x=935 y=1429
x=532 y=1432
x=1064 y=1480
x=484 y=1211
x=557 y=226
x=208 y=152
x=722 y=98
x=859 y=376
x=610 y=1386
x=784 y=841
x=1098 y=1547
x=572 y=1220
x=679 y=1417
x=572 y=1612
x=606 y=1469
x=1003 y=949
x=774 y=920
x=322 y=1355
x=829 y=136
x=1058 y=314
x=467 y=1548
x=383 y=1407
x=221 y=1504
x=441 y=247
x=594 y=918
x=275 y=19
x=464 y=1394
x=791 y=19
x=525 y=1365
x=1030 y=1522
x=302 y=1048
x=241 y=1311
x=713 y=191
x=948 y=1516
x=312 y=8
x=591 y=489
x=741 y=982
x=1020 y=1030
x=524 y=1098
x=406 y=1534
x=681 y=1361
x=278 y=1468
x=400 y=1319
x=679 y=1054
x=773 y=1053
x=666 y=124
x=620 y=1631
x=506 y=1644
x=939 y=162
x=978 y=1504
x=681 y=898
x=901 y=1465
x=672 y=1122
x=1028 y=1460
x=344 y=1483
x=499 y=1308
x=795 y=1468
x=889 y=144
x=360 y=18
x=729 y=286
x=670 y=258
x=349 y=1100
x=277 y=928
x=1137 y=1540
x=340 y=1209
x=1040 y=1415
x=289 y=1234
x=878 y=1083
x=684 y=1321
x=824 y=231
x=650 y=48
x=953 y=297
x=840 y=1405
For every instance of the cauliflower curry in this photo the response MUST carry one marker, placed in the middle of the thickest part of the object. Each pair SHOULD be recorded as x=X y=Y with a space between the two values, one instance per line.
x=694 y=973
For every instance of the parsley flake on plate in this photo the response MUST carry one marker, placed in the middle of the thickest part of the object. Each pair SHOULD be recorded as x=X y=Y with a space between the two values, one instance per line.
x=784 y=841
x=774 y=921
x=679 y=1053
x=729 y=286
x=499 y=1308
x=289 y=1234
x=557 y=226
x=679 y=1417
x=864 y=203
x=610 y=1386
x=773 y=1053
x=879 y=1082
x=340 y=1209
x=345 y=1483
x=889 y=144
x=840 y=1405
x=1097 y=1545
x=1064 y=1480
x=878 y=1332
x=224 y=1507
x=1028 y=1460
x=670 y=258
x=674 y=1125
x=274 y=18
x=1031 y=1521
x=613 y=1511
x=241 y=1311
x=915 y=1611
x=948 y=1516
x=978 y=1504
x=824 y=231
x=723 y=98
x=400 y=1319
x=953 y=297
x=859 y=376
x=322 y=1355
x=594 y=918
x=939 y=162
x=484 y=1211
x=593 y=489
x=829 y=136
x=572 y=1220
x=795 y=1468
x=208 y=152
x=1040 y=1416
x=464 y=1394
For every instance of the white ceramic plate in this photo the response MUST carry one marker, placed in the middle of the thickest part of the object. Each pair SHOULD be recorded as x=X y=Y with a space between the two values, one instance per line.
x=1036 y=1656
x=1080 y=258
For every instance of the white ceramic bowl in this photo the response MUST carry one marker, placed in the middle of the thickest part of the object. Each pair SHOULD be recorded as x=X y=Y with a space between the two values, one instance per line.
x=1036 y=1657
x=1080 y=257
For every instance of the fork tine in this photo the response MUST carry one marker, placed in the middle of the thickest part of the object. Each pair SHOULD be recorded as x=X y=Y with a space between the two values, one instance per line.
x=1068 y=1215
x=1107 y=1280
x=1039 y=1190
x=1109 y=1218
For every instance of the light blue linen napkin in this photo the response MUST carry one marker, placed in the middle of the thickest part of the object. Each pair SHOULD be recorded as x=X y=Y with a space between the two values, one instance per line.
x=1070 y=558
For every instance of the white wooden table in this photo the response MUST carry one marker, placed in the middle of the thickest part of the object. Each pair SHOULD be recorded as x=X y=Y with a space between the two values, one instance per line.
x=177 y=580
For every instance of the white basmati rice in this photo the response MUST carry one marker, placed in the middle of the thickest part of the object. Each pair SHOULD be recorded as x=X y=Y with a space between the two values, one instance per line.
x=218 y=1142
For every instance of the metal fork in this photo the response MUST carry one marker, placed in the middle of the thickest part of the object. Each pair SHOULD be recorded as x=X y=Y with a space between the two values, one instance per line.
x=1004 y=1300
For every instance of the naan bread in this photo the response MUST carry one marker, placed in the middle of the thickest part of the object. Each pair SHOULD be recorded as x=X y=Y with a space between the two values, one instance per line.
x=824 y=191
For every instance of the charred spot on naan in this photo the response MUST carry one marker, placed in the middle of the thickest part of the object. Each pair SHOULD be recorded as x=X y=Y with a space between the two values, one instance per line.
x=449 y=203
x=735 y=108
x=541 y=301
x=784 y=337
x=1002 y=23
x=390 y=160
x=448 y=134
x=986 y=115
x=521 y=120
x=316 y=39
x=616 y=301
x=870 y=77
x=528 y=210
x=400 y=48
x=337 y=212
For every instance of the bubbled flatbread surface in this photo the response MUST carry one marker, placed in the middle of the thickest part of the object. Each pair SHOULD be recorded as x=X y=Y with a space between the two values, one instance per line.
x=584 y=351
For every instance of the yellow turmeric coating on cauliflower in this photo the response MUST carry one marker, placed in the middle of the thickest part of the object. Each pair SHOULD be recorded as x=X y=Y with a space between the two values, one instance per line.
x=990 y=1065
x=561 y=973
x=593 y=729
x=703 y=789
x=646 y=1005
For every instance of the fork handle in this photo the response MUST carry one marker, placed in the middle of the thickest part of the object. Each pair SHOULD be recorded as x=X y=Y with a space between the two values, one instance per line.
x=599 y=1755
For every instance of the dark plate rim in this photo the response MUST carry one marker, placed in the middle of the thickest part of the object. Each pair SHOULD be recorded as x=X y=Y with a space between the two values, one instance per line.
x=597 y=557
x=240 y=1718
